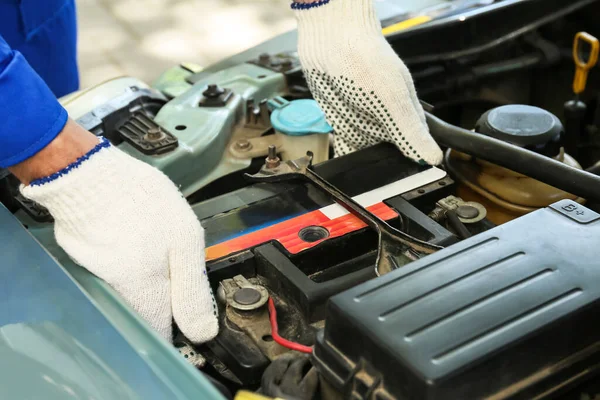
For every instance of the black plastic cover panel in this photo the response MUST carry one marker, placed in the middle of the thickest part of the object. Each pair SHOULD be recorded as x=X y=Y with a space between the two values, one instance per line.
x=511 y=313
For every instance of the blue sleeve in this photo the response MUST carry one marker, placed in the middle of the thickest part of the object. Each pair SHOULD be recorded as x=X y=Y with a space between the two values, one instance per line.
x=30 y=115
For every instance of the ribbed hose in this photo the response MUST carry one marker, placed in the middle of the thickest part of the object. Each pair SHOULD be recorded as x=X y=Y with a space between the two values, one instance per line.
x=536 y=166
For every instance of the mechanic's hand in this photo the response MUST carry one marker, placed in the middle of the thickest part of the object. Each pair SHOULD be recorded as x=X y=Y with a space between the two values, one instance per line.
x=365 y=90
x=127 y=223
x=290 y=376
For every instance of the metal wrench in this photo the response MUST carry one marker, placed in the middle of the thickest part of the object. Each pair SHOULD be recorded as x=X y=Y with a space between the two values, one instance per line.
x=393 y=244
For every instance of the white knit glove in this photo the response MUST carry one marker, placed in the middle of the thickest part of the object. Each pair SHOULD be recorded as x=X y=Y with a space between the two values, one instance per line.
x=127 y=223
x=356 y=77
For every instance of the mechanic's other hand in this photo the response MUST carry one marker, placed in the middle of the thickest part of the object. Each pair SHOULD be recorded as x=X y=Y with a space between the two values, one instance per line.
x=127 y=223
x=365 y=90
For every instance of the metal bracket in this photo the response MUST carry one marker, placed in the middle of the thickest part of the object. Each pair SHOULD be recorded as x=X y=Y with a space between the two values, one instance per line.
x=257 y=115
x=396 y=248
x=245 y=302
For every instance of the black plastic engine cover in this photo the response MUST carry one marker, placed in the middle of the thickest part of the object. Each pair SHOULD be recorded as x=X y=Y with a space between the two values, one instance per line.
x=510 y=313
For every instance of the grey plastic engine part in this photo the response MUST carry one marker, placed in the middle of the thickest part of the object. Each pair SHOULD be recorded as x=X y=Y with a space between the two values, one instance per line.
x=510 y=313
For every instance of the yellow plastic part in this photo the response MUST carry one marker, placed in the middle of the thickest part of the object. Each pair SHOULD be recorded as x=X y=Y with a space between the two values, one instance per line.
x=409 y=23
x=583 y=67
x=505 y=194
x=243 y=395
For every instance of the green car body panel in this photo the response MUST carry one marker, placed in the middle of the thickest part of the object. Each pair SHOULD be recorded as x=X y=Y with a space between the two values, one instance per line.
x=64 y=333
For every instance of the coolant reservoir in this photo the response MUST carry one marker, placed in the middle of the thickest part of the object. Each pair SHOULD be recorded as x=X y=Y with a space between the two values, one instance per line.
x=506 y=194
x=301 y=126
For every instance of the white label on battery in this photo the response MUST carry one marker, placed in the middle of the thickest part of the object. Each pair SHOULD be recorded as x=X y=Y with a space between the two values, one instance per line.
x=388 y=191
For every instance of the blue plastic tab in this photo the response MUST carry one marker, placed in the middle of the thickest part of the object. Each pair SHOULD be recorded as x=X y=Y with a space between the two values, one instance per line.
x=298 y=117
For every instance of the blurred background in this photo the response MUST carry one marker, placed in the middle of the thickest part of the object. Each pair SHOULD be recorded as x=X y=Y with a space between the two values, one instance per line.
x=143 y=38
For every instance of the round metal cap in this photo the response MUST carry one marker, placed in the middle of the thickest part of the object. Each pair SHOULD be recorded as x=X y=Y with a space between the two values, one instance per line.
x=467 y=212
x=247 y=296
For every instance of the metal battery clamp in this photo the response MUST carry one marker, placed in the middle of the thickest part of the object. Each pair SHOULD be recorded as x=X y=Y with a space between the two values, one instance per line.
x=395 y=248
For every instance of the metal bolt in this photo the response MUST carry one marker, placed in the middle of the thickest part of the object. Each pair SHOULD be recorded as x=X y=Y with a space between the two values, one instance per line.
x=213 y=91
x=272 y=160
x=437 y=214
x=264 y=117
x=247 y=296
x=154 y=134
x=264 y=58
x=243 y=145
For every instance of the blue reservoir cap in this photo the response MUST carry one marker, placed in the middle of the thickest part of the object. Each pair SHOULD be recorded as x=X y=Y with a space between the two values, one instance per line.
x=298 y=117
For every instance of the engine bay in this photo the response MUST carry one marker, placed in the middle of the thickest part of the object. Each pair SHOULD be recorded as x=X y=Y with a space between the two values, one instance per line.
x=475 y=279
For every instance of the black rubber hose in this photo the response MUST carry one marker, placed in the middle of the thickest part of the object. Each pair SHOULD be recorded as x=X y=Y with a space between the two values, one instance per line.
x=459 y=227
x=544 y=169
